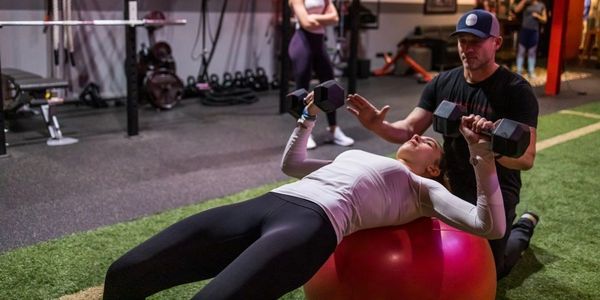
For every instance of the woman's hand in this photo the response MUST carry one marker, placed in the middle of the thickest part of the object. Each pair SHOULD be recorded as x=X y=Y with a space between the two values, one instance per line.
x=306 y=20
x=472 y=126
x=310 y=23
x=311 y=107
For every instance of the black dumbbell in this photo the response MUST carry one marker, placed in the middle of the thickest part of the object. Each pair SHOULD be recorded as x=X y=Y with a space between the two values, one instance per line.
x=509 y=138
x=294 y=102
x=328 y=96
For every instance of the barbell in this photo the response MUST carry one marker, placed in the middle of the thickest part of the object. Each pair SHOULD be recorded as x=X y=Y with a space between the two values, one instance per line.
x=142 y=22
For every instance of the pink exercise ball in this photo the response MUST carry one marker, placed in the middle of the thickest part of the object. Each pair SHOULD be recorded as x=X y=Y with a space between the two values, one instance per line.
x=425 y=259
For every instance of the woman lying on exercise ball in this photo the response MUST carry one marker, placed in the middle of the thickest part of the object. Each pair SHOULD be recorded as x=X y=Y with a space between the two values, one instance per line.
x=270 y=245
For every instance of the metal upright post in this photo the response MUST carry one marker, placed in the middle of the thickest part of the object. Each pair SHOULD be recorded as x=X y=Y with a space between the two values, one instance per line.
x=283 y=55
x=557 y=47
x=131 y=71
x=2 y=123
x=352 y=60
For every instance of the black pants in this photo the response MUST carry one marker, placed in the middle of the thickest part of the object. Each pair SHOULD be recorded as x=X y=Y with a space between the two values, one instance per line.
x=258 y=249
x=508 y=250
x=308 y=52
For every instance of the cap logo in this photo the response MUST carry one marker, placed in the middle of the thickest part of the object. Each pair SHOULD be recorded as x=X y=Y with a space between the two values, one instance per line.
x=471 y=20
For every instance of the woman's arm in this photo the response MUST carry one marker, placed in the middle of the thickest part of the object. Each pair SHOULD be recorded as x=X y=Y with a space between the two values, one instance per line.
x=306 y=21
x=519 y=7
x=542 y=16
x=329 y=17
x=294 y=162
x=487 y=218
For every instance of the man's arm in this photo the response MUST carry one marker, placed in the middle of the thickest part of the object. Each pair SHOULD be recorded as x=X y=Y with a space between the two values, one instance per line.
x=525 y=161
x=524 y=108
x=373 y=119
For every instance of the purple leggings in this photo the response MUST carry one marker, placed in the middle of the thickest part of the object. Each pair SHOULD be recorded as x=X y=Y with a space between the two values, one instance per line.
x=308 y=52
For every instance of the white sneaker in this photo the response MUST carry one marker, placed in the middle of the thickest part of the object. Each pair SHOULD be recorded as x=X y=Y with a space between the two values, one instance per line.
x=311 y=143
x=339 y=138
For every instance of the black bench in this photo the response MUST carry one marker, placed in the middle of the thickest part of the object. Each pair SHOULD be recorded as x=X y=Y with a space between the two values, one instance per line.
x=444 y=51
x=22 y=89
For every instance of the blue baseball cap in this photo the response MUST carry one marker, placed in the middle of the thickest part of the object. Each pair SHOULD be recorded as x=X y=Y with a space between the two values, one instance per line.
x=478 y=22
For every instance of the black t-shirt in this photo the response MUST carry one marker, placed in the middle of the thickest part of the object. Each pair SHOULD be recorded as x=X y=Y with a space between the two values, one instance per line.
x=502 y=95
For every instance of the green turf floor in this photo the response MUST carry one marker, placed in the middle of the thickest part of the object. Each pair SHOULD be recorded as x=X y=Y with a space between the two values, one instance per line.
x=562 y=262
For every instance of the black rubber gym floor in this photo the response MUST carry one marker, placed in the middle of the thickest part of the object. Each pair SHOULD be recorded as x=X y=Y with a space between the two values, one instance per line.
x=189 y=154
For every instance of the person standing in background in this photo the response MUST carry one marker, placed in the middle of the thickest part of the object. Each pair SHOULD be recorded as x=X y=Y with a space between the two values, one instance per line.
x=534 y=14
x=307 y=52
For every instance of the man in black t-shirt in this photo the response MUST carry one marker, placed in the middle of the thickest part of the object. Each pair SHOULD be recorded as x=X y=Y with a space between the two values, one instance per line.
x=485 y=89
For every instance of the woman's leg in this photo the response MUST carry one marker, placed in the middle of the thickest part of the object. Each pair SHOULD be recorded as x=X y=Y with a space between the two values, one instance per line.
x=532 y=53
x=531 y=57
x=324 y=71
x=295 y=242
x=520 y=58
x=323 y=67
x=193 y=249
x=301 y=58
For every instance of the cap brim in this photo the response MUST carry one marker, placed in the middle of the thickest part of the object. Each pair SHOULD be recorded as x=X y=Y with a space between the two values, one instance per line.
x=475 y=32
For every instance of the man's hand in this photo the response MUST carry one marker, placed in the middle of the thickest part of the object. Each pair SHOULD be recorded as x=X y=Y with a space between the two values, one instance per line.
x=471 y=127
x=368 y=115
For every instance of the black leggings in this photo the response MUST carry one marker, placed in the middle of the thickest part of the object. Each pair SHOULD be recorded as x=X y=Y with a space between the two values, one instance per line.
x=258 y=249
x=307 y=52
x=509 y=249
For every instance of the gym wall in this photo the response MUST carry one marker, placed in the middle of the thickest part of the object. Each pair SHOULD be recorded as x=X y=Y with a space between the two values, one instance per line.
x=248 y=38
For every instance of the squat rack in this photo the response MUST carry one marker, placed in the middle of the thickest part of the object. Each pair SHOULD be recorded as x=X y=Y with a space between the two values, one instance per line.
x=131 y=22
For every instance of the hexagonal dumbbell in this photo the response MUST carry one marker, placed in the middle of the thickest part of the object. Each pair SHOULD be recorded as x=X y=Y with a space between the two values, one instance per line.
x=509 y=138
x=328 y=96
x=294 y=102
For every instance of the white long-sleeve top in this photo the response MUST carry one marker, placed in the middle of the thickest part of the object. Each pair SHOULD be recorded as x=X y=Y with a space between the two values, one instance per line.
x=360 y=190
